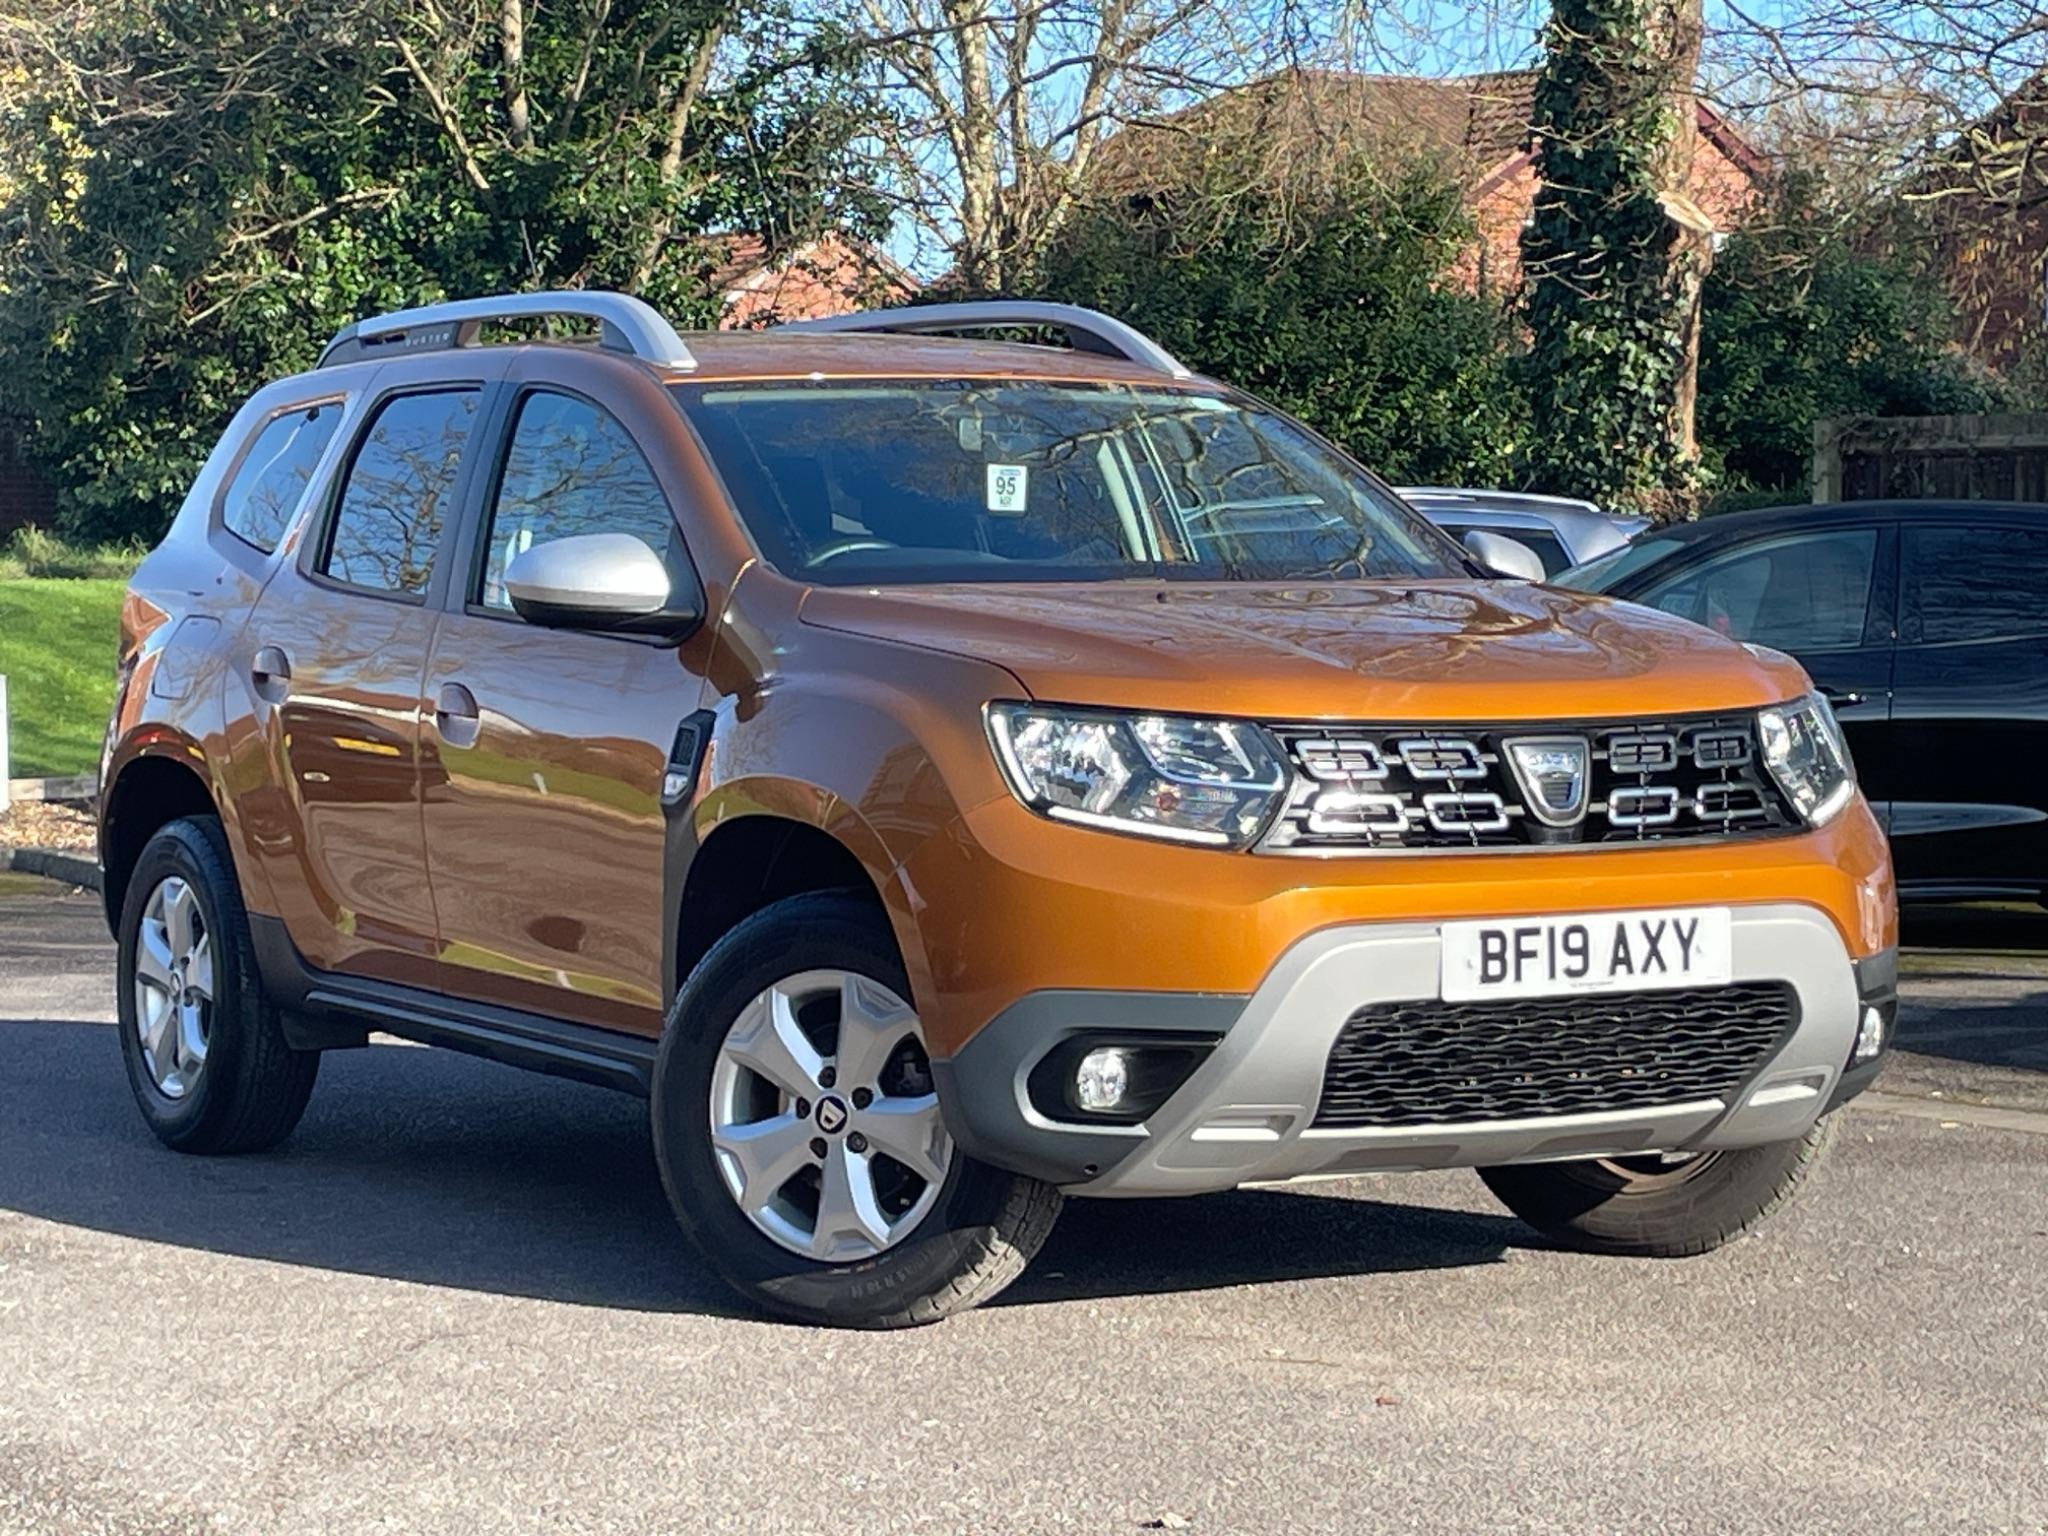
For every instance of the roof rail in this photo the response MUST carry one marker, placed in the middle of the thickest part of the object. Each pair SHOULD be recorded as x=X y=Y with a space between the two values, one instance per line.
x=625 y=324
x=1087 y=330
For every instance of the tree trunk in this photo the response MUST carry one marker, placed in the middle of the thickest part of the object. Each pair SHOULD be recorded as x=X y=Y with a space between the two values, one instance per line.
x=980 y=154
x=1615 y=256
x=1680 y=26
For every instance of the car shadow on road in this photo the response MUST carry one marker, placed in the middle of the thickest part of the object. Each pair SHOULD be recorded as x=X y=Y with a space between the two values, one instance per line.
x=1976 y=986
x=430 y=1167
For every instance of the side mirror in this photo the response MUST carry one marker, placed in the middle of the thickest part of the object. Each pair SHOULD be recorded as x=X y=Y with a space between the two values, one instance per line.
x=1504 y=557
x=607 y=581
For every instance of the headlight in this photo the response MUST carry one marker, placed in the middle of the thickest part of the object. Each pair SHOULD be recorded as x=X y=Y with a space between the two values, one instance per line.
x=1804 y=749
x=1194 y=781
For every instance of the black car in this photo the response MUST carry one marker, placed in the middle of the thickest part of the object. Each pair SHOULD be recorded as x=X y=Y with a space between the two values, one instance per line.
x=1926 y=624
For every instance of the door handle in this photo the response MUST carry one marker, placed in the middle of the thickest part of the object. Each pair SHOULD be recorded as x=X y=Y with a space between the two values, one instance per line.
x=456 y=716
x=1843 y=697
x=271 y=674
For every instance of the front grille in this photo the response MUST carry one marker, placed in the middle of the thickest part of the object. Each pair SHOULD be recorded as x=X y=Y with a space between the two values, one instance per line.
x=1359 y=787
x=1436 y=1063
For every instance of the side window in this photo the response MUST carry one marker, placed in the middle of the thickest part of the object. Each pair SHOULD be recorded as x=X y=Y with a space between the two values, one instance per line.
x=1975 y=584
x=1802 y=592
x=387 y=522
x=259 y=503
x=571 y=469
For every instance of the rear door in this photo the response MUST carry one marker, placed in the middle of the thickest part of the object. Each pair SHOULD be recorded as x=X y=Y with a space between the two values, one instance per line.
x=1826 y=595
x=1972 y=699
x=335 y=653
x=544 y=749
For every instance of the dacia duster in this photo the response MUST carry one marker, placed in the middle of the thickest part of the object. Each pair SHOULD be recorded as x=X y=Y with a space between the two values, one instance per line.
x=943 y=775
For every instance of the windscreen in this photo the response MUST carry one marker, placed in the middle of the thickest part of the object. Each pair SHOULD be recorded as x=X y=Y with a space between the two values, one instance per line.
x=1603 y=572
x=1018 y=480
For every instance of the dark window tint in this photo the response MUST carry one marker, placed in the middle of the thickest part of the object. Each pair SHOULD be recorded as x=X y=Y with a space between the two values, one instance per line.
x=398 y=492
x=1539 y=541
x=571 y=469
x=260 y=501
x=1798 y=592
x=1975 y=584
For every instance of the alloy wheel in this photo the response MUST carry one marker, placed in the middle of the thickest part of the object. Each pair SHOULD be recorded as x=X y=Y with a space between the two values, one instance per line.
x=824 y=1118
x=1657 y=1170
x=174 y=987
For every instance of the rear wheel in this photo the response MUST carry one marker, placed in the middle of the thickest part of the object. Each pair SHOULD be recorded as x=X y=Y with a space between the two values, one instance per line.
x=1659 y=1206
x=206 y=1055
x=799 y=1133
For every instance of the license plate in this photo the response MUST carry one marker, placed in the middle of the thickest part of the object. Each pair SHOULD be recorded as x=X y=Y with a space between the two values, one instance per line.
x=1602 y=952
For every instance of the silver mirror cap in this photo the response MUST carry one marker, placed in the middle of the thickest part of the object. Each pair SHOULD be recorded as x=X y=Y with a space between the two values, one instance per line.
x=593 y=576
x=1504 y=556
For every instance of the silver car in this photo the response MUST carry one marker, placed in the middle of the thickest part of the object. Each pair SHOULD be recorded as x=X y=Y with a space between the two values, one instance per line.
x=1559 y=530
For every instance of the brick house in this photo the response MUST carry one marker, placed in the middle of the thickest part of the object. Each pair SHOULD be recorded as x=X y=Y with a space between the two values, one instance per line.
x=1477 y=127
x=1984 y=197
x=828 y=276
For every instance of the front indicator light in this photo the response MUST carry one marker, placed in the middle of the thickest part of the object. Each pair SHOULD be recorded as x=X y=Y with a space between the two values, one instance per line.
x=1805 y=752
x=1169 y=776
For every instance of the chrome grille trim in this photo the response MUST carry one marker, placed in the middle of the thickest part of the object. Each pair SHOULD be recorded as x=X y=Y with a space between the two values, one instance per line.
x=1441 y=757
x=1393 y=788
x=1643 y=805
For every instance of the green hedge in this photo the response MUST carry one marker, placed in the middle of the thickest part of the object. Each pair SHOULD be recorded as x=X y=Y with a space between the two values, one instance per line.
x=1344 y=314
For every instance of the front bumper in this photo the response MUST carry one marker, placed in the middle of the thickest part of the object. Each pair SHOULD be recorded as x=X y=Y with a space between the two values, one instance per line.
x=1247 y=1112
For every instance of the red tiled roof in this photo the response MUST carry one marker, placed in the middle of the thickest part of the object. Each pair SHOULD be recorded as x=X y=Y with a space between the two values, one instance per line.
x=832 y=275
x=1475 y=122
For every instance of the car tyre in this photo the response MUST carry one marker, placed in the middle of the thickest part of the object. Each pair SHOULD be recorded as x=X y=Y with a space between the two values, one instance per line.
x=204 y=1048
x=1643 y=1207
x=965 y=1234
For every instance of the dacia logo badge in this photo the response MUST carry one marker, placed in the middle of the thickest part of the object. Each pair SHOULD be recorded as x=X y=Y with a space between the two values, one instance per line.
x=1552 y=772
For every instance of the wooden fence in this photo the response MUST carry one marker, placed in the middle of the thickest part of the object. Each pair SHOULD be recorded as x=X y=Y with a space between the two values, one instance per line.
x=1931 y=458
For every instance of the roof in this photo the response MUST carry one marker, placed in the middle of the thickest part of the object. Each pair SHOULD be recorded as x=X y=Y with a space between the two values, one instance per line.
x=831 y=275
x=1585 y=529
x=1803 y=514
x=1478 y=124
x=1996 y=157
x=1529 y=501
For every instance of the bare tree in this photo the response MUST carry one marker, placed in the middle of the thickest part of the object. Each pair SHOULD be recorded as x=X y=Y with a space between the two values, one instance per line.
x=1937 y=108
x=1002 y=105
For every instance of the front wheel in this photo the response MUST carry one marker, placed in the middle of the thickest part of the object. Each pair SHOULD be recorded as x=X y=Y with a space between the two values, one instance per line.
x=799 y=1136
x=1659 y=1206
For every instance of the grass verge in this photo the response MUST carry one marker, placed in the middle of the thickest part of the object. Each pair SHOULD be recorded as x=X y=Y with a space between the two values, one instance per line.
x=57 y=641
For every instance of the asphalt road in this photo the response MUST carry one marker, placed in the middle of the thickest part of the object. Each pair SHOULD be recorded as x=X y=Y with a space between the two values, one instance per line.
x=455 y=1302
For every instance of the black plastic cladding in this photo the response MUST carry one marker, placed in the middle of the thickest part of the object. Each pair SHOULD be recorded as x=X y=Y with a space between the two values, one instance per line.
x=1438 y=1063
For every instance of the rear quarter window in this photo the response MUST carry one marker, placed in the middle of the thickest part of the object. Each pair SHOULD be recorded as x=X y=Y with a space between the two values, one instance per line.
x=268 y=486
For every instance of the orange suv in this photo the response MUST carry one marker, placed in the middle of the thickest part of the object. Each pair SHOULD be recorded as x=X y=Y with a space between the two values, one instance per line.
x=943 y=775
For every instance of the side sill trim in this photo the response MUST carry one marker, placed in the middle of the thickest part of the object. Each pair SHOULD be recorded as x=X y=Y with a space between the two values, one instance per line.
x=596 y=1056
x=324 y=1011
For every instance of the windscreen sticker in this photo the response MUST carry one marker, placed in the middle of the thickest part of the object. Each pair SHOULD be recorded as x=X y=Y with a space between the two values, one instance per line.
x=1006 y=484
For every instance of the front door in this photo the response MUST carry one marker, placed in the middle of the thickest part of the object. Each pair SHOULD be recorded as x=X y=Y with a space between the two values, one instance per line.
x=335 y=654
x=1972 y=701
x=544 y=749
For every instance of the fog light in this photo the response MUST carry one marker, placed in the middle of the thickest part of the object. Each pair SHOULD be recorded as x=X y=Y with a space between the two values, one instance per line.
x=1103 y=1079
x=1869 y=1036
